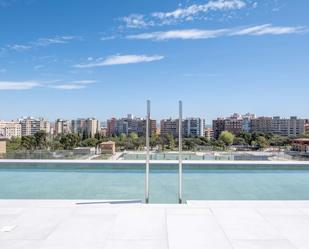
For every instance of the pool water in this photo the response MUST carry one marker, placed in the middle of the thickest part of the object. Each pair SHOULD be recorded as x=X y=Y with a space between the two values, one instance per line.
x=75 y=182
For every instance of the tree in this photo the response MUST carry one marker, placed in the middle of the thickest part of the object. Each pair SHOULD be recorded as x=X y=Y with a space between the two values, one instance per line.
x=246 y=136
x=277 y=140
x=55 y=145
x=28 y=142
x=70 y=141
x=133 y=136
x=89 y=142
x=40 y=140
x=14 y=144
x=227 y=138
x=260 y=143
x=239 y=141
x=123 y=137
x=304 y=135
x=170 y=141
x=154 y=140
x=189 y=144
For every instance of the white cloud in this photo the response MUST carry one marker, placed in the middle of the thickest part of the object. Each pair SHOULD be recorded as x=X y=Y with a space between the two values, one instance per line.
x=193 y=10
x=84 y=82
x=179 y=34
x=41 y=42
x=187 y=34
x=55 y=84
x=120 y=60
x=108 y=38
x=68 y=87
x=188 y=13
x=15 y=85
x=136 y=21
x=77 y=84
x=268 y=29
x=19 y=47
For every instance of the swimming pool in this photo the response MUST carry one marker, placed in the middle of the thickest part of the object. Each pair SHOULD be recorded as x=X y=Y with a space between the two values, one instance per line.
x=225 y=181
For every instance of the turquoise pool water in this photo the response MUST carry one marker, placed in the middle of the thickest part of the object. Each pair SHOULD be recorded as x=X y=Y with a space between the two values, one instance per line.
x=127 y=182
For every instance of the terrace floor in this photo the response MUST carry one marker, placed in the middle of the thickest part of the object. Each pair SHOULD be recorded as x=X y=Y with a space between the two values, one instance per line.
x=43 y=224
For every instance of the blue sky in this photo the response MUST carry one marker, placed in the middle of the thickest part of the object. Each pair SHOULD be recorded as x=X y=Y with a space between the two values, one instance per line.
x=81 y=58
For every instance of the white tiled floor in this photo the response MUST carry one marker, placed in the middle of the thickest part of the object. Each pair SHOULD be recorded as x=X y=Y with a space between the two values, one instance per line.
x=198 y=224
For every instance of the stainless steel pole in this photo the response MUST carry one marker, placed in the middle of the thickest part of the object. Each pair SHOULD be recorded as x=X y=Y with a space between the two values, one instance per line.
x=180 y=153
x=147 y=153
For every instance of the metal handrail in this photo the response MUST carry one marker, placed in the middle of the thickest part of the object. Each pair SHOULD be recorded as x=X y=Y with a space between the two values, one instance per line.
x=180 y=153
x=147 y=154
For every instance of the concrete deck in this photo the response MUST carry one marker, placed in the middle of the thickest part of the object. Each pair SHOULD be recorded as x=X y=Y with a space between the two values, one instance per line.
x=39 y=224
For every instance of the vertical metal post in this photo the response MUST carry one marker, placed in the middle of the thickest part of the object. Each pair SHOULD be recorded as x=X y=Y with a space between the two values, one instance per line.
x=147 y=154
x=180 y=153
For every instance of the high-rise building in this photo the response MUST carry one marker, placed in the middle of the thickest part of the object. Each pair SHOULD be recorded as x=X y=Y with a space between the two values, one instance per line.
x=111 y=126
x=9 y=129
x=209 y=133
x=141 y=130
x=246 y=122
x=232 y=124
x=169 y=126
x=193 y=127
x=291 y=127
x=307 y=125
x=128 y=125
x=62 y=127
x=218 y=126
x=2 y=147
x=88 y=127
x=261 y=124
x=78 y=125
x=30 y=126
x=91 y=127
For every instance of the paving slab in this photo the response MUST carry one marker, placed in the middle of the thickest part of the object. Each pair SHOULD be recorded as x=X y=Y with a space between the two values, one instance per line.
x=62 y=224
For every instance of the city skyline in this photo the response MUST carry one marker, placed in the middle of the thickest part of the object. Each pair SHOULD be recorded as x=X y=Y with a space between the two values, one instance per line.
x=101 y=60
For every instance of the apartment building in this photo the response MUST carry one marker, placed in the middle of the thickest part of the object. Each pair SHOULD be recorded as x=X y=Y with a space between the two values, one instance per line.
x=291 y=127
x=9 y=129
x=30 y=126
x=232 y=124
x=92 y=126
x=261 y=124
x=111 y=126
x=62 y=126
x=307 y=125
x=130 y=124
x=88 y=127
x=169 y=126
x=2 y=146
x=246 y=122
x=78 y=125
x=218 y=126
x=193 y=127
x=209 y=133
x=236 y=124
